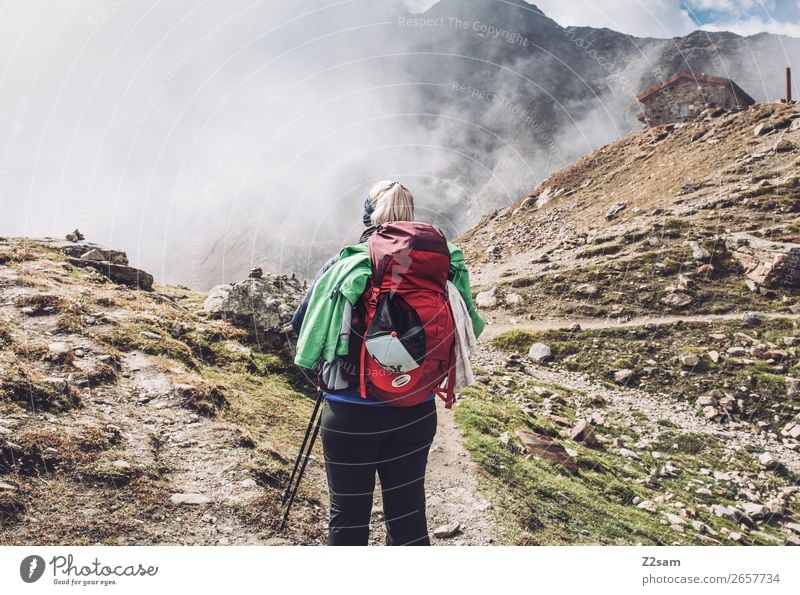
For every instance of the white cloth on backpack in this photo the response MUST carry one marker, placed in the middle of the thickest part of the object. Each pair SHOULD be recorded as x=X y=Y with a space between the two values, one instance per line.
x=466 y=343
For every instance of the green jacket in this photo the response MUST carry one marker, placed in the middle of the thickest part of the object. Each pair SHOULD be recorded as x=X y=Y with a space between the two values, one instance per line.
x=347 y=280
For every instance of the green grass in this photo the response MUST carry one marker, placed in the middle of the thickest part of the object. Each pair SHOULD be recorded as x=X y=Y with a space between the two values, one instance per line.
x=537 y=504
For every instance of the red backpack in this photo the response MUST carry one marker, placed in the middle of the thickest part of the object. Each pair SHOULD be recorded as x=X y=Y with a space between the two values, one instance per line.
x=407 y=349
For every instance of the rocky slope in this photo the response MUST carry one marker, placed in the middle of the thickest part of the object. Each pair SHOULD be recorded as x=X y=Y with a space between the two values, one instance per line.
x=641 y=377
x=142 y=417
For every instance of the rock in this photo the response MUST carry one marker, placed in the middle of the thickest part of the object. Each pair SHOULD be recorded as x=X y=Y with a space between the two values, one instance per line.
x=736 y=351
x=248 y=483
x=625 y=452
x=674 y=519
x=486 y=299
x=445 y=531
x=615 y=210
x=792 y=386
x=121 y=465
x=689 y=360
x=710 y=412
x=256 y=273
x=713 y=355
x=118 y=273
x=93 y=254
x=735 y=536
x=647 y=505
x=59 y=384
x=150 y=335
x=75 y=236
x=539 y=352
x=189 y=499
x=514 y=299
x=763 y=128
x=755 y=510
x=705 y=269
x=725 y=512
x=587 y=290
x=794 y=527
x=59 y=348
x=785 y=146
x=752 y=318
x=766 y=460
x=766 y=263
x=623 y=376
x=698 y=252
x=7 y=487
x=575 y=327
x=548 y=450
x=237 y=348
x=266 y=303
x=677 y=299
x=584 y=432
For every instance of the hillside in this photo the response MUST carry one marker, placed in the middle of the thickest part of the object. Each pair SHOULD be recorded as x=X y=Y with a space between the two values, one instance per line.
x=134 y=417
x=643 y=322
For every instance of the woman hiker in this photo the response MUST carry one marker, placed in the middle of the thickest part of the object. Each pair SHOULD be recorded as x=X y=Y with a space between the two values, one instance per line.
x=363 y=435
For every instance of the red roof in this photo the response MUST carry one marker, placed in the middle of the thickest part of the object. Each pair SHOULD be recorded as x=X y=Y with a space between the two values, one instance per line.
x=706 y=78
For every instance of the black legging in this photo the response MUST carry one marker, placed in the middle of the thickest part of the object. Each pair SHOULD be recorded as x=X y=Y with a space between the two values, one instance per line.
x=359 y=440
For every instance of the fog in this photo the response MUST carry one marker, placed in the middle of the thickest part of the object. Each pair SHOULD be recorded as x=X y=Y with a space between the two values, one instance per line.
x=205 y=137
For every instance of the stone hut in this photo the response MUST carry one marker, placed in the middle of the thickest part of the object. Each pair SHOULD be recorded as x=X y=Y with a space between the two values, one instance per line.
x=684 y=95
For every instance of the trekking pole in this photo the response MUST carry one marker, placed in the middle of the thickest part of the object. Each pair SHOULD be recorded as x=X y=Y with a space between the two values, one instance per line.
x=296 y=477
x=303 y=446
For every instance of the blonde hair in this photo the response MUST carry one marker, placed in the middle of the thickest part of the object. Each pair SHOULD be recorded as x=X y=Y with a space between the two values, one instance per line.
x=393 y=202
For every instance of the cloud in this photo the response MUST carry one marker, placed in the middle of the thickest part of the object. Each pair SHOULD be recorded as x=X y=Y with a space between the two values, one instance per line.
x=654 y=18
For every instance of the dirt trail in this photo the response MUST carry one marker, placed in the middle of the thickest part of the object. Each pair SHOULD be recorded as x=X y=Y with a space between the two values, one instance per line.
x=452 y=492
x=493 y=329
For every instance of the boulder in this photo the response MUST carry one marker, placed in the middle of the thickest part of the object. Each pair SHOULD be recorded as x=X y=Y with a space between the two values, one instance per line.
x=514 y=299
x=266 y=303
x=615 y=210
x=548 y=450
x=766 y=263
x=189 y=499
x=539 y=352
x=763 y=128
x=766 y=460
x=587 y=290
x=118 y=273
x=584 y=432
x=445 y=531
x=698 y=252
x=486 y=299
x=80 y=249
x=623 y=376
x=677 y=299
x=689 y=360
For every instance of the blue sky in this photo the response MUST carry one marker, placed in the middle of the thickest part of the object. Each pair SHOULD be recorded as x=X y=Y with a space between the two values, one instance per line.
x=779 y=13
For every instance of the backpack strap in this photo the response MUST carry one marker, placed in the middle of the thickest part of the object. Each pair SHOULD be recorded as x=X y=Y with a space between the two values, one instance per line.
x=372 y=303
x=448 y=393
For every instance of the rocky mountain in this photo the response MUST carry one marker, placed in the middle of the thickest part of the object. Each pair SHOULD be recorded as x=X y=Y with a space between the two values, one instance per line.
x=508 y=94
